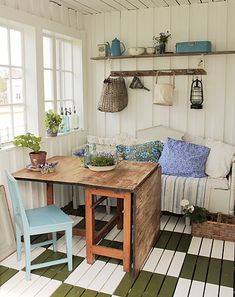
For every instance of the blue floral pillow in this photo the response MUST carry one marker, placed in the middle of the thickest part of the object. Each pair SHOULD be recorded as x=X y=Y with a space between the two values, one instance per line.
x=183 y=158
x=145 y=152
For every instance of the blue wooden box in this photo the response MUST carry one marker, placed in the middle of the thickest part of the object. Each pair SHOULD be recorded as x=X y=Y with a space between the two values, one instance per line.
x=193 y=47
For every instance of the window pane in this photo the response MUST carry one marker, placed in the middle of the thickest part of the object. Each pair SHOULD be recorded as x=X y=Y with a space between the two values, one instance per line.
x=59 y=86
x=16 y=54
x=4 y=86
x=19 y=120
x=58 y=53
x=68 y=94
x=48 y=105
x=65 y=104
x=4 y=59
x=6 y=124
x=67 y=57
x=47 y=52
x=48 y=84
x=17 y=85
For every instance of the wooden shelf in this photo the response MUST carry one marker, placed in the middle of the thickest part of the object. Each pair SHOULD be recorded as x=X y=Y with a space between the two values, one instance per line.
x=164 y=55
x=165 y=72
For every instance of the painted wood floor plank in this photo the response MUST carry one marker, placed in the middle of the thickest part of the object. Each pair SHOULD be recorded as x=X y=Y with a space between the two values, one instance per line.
x=6 y=275
x=62 y=274
x=140 y=284
x=164 y=220
x=36 y=287
x=78 y=273
x=211 y=290
x=49 y=289
x=79 y=246
x=125 y=285
x=182 y=287
x=229 y=249
x=153 y=259
x=168 y=287
x=163 y=239
x=187 y=229
x=176 y=264
x=113 y=281
x=225 y=292
x=164 y=262
x=206 y=245
x=76 y=219
x=82 y=252
x=102 y=277
x=154 y=285
x=187 y=270
x=170 y=226
x=184 y=243
x=2 y=269
x=227 y=274
x=23 y=286
x=213 y=275
x=11 y=283
x=180 y=225
x=217 y=249
x=195 y=245
x=173 y=241
x=201 y=269
x=119 y=237
x=107 y=217
x=197 y=289
x=90 y=275
x=112 y=234
x=76 y=291
x=62 y=290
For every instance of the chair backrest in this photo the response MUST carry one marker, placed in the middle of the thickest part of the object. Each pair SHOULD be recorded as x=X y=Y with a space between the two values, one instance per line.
x=18 y=209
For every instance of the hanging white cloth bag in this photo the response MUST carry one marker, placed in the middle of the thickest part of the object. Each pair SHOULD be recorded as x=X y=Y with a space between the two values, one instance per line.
x=164 y=92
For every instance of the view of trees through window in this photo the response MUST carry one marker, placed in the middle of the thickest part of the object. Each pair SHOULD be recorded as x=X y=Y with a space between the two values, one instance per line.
x=12 y=101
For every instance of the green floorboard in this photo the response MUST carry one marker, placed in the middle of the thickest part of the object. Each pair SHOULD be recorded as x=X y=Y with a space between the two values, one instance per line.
x=6 y=275
x=187 y=270
x=213 y=276
x=3 y=269
x=140 y=284
x=125 y=285
x=227 y=274
x=62 y=290
x=103 y=295
x=64 y=273
x=89 y=293
x=173 y=241
x=163 y=239
x=75 y=291
x=201 y=269
x=184 y=243
x=168 y=287
x=154 y=285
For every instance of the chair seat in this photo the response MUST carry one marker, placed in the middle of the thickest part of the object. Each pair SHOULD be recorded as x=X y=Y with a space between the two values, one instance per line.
x=49 y=218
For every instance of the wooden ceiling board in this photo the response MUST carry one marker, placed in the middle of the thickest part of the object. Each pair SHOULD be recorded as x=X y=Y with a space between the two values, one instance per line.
x=183 y=2
x=138 y=3
x=97 y=5
x=149 y=3
x=126 y=4
x=79 y=7
x=195 y=1
x=172 y=2
x=160 y=3
x=115 y=4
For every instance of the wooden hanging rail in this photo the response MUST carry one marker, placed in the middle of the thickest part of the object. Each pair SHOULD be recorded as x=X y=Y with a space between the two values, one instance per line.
x=165 y=72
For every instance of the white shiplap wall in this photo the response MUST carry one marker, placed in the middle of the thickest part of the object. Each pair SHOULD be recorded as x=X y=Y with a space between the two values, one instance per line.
x=214 y=22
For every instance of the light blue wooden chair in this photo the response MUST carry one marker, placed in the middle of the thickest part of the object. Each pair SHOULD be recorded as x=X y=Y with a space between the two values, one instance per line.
x=48 y=219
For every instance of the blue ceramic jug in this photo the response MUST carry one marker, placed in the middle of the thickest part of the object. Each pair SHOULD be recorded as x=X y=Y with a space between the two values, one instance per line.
x=116 y=48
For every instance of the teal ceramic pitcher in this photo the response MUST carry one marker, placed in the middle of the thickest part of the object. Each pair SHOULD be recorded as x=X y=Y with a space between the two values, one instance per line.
x=116 y=48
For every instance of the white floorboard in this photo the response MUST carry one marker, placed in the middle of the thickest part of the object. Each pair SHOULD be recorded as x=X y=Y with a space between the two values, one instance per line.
x=49 y=289
x=11 y=283
x=164 y=220
x=74 y=277
x=182 y=287
x=113 y=281
x=36 y=287
x=205 y=249
x=165 y=261
x=180 y=225
x=153 y=259
x=229 y=249
x=217 y=249
x=226 y=292
x=176 y=264
x=170 y=226
x=197 y=289
x=211 y=290
x=195 y=245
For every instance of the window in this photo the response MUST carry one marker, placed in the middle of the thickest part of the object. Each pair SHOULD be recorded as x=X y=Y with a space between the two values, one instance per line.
x=58 y=73
x=12 y=99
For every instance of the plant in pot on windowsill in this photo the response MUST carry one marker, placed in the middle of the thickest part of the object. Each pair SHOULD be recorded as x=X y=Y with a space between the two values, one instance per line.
x=52 y=123
x=32 y=142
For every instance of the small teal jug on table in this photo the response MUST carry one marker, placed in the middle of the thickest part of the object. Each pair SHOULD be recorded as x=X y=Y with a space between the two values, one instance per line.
x=116 y=48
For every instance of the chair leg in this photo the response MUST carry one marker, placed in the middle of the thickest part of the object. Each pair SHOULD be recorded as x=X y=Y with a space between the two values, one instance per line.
x=54 y=238
x=27 y=256
x=68 y=237
x=18 y=243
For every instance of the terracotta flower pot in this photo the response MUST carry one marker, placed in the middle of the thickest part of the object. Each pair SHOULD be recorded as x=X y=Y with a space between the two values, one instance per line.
x=38 y=158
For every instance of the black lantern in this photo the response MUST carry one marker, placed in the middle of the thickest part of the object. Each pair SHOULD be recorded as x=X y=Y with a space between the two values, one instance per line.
x=196 y=95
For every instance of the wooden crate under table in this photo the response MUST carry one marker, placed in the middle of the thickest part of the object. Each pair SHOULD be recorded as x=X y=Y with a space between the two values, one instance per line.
x=220 y=227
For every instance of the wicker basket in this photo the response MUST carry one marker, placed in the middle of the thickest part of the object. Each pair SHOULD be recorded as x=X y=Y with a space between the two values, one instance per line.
x=218 y=227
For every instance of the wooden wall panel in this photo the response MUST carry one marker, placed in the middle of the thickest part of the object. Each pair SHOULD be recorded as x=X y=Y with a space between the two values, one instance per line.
x=209 y=21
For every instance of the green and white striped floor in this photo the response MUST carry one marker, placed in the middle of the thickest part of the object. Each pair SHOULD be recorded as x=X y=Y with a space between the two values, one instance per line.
x=179 y=265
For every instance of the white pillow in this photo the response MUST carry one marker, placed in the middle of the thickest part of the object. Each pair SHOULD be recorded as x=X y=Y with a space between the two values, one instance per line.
x=220 y=157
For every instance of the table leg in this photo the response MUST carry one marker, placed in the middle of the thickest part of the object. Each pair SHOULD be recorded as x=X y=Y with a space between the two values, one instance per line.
x=90 y=226
x=120 y=213
x=50 y=198
x=127 y=233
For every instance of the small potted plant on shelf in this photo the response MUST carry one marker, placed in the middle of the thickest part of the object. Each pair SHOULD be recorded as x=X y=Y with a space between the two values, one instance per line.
x=32 y=142
x=52 y=122
x=159 y=42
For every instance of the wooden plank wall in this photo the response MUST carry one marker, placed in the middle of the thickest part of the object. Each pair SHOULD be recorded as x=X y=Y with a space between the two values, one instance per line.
x=213 y=22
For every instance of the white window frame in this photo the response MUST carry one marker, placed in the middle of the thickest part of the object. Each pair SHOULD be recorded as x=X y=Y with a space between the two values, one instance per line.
x=54 y=70
x=10 y=67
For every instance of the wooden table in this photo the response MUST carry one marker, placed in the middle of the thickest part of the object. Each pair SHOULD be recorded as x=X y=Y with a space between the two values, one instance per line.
x=137 y=188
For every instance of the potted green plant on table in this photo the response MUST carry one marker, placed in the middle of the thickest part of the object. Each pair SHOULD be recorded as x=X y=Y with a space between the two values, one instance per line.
x=101 y=161
x=32 y=142
x=52 y=122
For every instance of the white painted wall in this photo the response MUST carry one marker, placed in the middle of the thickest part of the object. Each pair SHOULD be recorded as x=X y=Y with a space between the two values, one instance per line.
x=214 y=22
